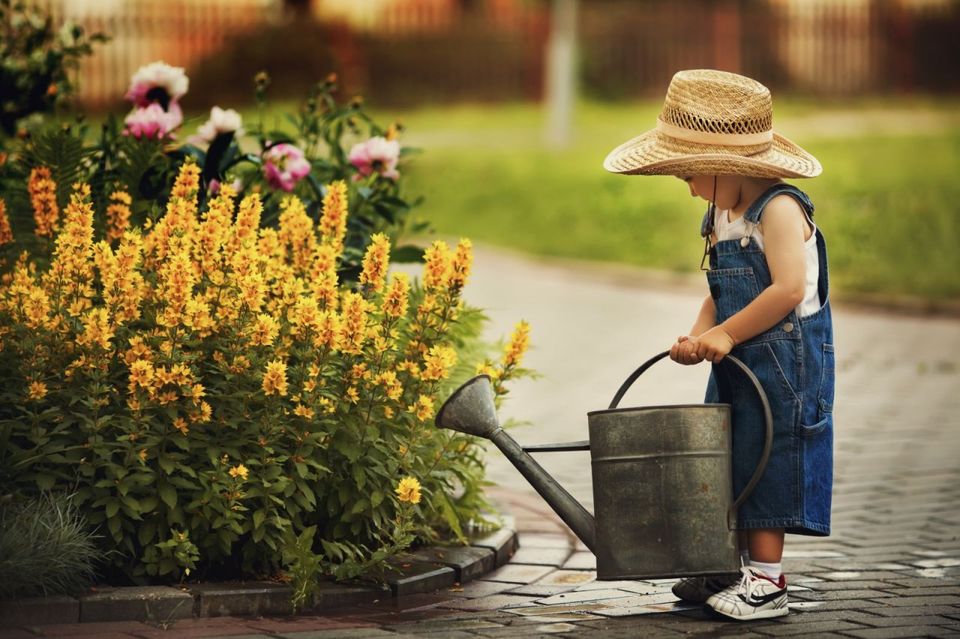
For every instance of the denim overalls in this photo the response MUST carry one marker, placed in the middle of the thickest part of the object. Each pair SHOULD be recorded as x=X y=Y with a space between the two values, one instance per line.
x=794 y=361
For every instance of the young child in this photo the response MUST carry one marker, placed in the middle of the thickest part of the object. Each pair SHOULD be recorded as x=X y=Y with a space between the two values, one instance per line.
x=767 y=306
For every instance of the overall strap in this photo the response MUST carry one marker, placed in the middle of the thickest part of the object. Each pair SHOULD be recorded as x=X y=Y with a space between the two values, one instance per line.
x=756 y=208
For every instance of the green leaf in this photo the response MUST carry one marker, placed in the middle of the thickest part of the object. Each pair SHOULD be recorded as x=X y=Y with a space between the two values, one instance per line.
x=168 y=494
x=113 y=507
x=258 y=518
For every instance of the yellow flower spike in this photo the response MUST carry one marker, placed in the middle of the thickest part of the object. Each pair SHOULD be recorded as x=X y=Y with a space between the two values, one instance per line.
x=97 y=329
x=437 y=265
x=519 y=342
x=239 y=471
x=354 y=320
x=6 y=233
x=296 y=233
x=264 y=330
x=438 y=362
x=460 y=267
x=333 y=222
x=376 y=261
x=275 y=378
x=36 y=391
x=43 y=198
x=397 y=298
x=408 y=490
x=118 y=215
x=187 y=183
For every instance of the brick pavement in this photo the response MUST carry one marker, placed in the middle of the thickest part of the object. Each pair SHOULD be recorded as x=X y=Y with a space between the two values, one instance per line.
x=890 y=569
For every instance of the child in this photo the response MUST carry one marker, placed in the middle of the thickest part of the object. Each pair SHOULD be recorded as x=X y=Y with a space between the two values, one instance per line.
x=767 y=306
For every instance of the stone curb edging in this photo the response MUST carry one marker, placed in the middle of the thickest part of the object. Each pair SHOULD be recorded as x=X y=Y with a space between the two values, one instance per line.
x=425 y=570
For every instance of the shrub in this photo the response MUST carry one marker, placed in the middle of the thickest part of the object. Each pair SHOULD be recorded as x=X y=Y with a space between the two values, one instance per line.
x=212 y=388
x=46 y=547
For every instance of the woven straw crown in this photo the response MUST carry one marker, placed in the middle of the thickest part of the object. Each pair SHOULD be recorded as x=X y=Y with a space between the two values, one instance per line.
x=713 y=123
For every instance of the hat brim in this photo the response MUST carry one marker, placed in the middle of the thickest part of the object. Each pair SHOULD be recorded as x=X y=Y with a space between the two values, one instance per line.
x=653 y=153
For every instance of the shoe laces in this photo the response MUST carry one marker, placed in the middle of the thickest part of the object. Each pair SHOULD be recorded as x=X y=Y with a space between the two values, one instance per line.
x=749 y=581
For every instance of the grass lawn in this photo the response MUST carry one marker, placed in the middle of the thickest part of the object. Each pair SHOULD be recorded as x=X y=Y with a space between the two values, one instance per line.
x=888 y=200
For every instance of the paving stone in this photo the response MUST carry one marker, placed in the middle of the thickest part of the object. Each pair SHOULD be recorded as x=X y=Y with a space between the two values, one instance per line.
x=648 y=609
x=894 y=633
x=39 y=610
x=586 y=595
x=416 y=577
x=306 y=623
x=829 y=595
x=549 y=610
x=203 y=627
x=94 y=628
x=340 y=633
x=238 y=599
x=917 y=620
x=576 y=578
x=540 y=590
x=909 y=611
x=407 y=603
x=927 y=592
x=518 y=573
x=555 y=557
x=581 y=561
x=469 y=562
x=157 y=604
x=848 y=585
x=480 y=588
x=923 y=601
x=493 y=602
x=331 y=595
x=503 y=543
x=444 y=625
x=543 y=540
x=812 y=629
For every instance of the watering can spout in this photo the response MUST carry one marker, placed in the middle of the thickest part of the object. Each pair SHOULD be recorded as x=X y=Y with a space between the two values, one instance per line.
x=471 y=410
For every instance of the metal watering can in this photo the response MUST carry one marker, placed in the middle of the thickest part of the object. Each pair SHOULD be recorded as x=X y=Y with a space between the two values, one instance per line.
x=662 y=479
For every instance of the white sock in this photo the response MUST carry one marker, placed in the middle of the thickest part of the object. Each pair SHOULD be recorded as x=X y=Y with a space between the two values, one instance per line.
x=770 y=570
x=744 y=557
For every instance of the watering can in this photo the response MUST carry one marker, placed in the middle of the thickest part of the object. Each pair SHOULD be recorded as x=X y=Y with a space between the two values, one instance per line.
x=662 y=479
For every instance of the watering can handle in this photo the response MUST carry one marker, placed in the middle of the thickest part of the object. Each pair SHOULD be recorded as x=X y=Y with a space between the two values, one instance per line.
x=767 y=415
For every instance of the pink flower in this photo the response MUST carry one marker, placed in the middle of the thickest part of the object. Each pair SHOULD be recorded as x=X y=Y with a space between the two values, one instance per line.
x=284 y=165
x=157 y=82
x=152 y=121
x=376 y=155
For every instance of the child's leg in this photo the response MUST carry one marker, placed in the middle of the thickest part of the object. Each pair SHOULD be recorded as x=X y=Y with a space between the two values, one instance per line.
x=766 y=551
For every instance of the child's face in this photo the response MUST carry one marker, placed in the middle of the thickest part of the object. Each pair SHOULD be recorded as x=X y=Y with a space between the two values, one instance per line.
x=703 y=186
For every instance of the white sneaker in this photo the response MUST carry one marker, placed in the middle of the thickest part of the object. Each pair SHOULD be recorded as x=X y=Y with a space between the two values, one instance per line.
x=755 y=596
x=698 y=589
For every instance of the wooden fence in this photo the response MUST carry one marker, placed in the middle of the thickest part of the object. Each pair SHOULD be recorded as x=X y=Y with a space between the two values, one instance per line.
x=449 y=50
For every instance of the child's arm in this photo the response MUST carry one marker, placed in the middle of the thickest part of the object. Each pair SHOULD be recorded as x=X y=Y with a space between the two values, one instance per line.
x=684 y=350
x=784 y=226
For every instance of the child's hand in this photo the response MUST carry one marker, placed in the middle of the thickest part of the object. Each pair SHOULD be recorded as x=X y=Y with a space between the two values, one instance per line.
x=684 y=351
x=715 y=344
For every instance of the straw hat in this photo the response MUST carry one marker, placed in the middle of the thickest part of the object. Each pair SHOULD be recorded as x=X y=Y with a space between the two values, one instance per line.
x=713 y=123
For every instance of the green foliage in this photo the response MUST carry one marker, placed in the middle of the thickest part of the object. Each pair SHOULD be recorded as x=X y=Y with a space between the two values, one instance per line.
x=46 y=546
x=35 y=61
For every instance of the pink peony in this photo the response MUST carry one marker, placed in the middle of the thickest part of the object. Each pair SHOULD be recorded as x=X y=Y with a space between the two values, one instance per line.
x=284 y=165
x=221 y=121
x=376 y=155
x=157 y=82
x=152 y=121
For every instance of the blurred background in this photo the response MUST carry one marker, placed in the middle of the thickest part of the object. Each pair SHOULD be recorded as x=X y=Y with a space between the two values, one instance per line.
x=515 y=103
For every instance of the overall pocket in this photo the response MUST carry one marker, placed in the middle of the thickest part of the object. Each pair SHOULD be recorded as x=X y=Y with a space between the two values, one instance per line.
x=732 y=289
x=827 y=380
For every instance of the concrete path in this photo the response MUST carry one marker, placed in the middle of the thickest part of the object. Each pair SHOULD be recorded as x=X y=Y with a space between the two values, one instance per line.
x=891 y=568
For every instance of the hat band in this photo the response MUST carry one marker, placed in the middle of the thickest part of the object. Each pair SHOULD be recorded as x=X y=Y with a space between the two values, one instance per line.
x=708 y=137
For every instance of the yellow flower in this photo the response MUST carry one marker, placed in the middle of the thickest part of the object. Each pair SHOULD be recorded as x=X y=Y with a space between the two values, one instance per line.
x=36 y=391
x=181 y=424
x=43 y=198
x=239 y=471
x=141 y=374
x=275 y=379
x=188 y=181
x=354 y=322
x=375 y=262
x=296 y=232
x=460 y=267
x=6 y=233
x=97 y=329
x=437 y=265
x=519 y=342
x=423 y=409
x=118 y=215
x=408 y=490
x=333 y=222
x=437 y=363
x=397 y=297
x=264 y=330
x=303 y=411
x=142 y=454
x=352 y=395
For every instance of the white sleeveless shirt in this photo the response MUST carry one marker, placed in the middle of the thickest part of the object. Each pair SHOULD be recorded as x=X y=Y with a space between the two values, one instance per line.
x=740 y=228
